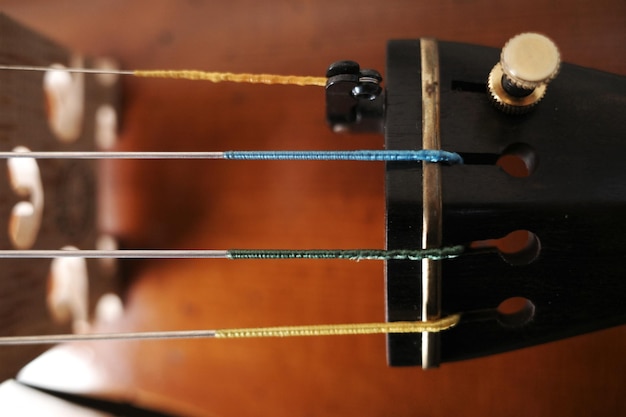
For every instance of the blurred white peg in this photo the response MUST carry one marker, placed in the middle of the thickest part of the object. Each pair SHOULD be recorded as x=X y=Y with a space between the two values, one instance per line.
x=25 y=180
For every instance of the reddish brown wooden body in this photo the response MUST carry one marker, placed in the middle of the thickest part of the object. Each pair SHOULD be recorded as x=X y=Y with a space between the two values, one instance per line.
x=240 y=204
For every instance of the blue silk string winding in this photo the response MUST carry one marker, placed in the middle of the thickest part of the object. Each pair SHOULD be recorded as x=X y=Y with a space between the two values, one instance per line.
x=422 y=155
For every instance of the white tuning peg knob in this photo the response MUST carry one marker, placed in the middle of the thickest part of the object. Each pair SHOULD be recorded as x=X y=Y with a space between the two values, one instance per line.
x=68 y=291
x=64 y=94
x=26 y=216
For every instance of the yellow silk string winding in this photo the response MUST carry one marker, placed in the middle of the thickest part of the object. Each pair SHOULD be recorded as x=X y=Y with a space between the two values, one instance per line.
x=431 y=326
x=218 y=77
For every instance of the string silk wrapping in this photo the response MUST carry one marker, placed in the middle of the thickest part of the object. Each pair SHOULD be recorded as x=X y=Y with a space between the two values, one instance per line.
x=218 y=77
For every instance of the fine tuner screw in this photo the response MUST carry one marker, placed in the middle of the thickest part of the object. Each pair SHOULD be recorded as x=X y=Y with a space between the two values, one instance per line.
x=528 y=62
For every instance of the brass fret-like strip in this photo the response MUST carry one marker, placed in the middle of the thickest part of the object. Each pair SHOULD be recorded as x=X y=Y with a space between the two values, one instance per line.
x=432 y=200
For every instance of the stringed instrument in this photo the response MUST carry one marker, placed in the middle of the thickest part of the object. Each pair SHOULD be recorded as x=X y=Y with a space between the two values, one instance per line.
x=467 y=213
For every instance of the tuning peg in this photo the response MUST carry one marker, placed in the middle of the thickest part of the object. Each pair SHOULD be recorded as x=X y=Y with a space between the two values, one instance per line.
x=64 y=94
x=68 y=291
x=26 y=216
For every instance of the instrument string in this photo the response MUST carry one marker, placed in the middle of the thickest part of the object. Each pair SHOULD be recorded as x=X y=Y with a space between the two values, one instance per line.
x=431 y=326
x=239 y=254
x=421 y=155
x=195 y=75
